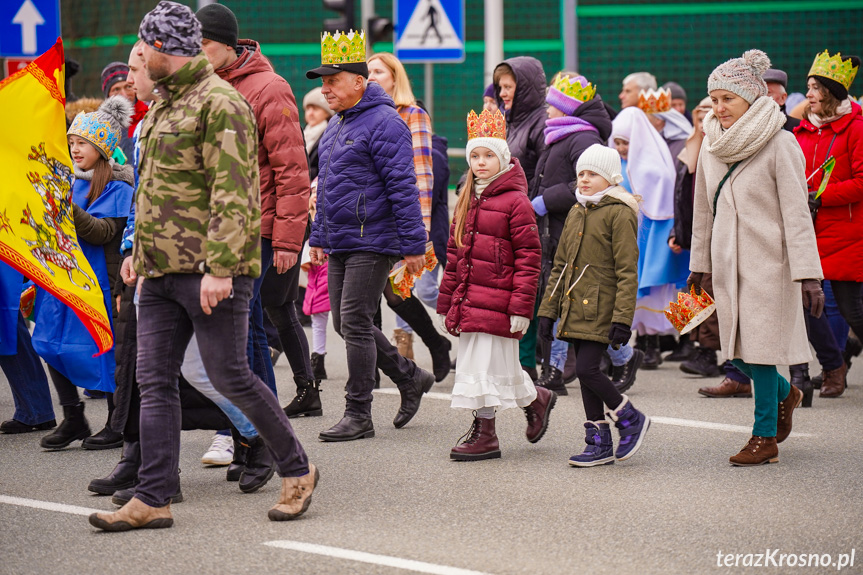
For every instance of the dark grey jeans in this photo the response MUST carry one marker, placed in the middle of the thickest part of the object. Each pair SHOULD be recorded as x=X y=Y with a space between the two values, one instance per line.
x=169 y=311
x=356 y=282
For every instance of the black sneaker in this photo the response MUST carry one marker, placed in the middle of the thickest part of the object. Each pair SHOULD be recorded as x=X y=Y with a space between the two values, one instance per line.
x=623 y=376
x=703 y=363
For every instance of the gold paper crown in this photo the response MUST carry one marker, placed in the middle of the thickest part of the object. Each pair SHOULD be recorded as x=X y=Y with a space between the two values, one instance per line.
x=342 y=48
x=655 y=101
x=573 y=88
x=486 y=125
x=834 y=68
x=690 y=310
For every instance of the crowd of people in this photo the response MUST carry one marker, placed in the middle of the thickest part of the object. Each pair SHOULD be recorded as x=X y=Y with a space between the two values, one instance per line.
x=202 y=203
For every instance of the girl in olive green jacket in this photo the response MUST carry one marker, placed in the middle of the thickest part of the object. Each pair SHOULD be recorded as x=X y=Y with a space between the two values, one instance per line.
x=592 y=290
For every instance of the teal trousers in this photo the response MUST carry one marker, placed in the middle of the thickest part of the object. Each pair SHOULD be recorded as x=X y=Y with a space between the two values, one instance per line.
x=768 y=388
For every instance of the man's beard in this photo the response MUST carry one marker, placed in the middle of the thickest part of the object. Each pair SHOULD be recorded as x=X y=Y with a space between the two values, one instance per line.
x=157 y=67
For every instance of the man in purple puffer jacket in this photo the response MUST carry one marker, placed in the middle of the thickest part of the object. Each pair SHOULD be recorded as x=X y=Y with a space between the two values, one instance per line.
x=368 y=217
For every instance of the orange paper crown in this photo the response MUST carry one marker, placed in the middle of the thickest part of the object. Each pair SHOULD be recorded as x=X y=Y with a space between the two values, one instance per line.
x=653 y=101
x=486 y=125
x=690 y=310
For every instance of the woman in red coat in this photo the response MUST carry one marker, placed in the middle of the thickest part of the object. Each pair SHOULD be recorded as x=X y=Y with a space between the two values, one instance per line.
x=833 y=126
x=489 y=288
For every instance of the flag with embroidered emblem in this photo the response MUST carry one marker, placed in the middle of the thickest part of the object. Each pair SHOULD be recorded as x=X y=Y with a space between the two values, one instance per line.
x=37 y=232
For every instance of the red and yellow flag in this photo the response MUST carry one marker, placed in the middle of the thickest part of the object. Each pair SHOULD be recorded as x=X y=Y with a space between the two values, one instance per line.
x=37 y=232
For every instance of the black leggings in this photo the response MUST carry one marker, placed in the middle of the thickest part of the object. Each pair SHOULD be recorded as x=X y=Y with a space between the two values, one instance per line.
x=597 y=391
x=293 y=338
x=67 y=392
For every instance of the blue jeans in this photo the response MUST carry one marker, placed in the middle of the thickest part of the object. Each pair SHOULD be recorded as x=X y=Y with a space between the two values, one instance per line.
x=356 y=281
x=834 y=316
x=195 y=373
x=768 y=388
x=426 y=289
x=169 y=312
x=620 y=356
x=559 y=351
x=258 y=349
x=27 y=380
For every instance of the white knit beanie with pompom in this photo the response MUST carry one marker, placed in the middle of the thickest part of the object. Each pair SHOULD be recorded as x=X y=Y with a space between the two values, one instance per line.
x=601 y=160
x=742 y=76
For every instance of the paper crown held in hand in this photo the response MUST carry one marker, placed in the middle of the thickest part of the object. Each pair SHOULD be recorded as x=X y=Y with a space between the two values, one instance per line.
x=690 y=310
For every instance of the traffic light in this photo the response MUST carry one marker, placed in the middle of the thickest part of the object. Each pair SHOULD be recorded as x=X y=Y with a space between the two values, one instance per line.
x=377 y=29
x=346 y=20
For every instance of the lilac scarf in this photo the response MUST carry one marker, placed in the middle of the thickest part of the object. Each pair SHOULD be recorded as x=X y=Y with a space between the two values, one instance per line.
x=557 y=129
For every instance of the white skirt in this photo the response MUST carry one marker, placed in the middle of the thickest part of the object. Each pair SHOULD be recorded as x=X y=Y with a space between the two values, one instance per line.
x=649 y=318
x=488 y=374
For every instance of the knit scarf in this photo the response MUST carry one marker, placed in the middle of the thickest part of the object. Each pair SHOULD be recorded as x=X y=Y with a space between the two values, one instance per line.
x=312 y=134
x=595 y=198
x=748 y=135
x=480 y=184
x=557 y=129
x=843 y=109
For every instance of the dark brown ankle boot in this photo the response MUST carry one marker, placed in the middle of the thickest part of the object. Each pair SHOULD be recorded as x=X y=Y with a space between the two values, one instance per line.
x=480 y=442
x=833 y=384
x=786 y=408
x=758 y=451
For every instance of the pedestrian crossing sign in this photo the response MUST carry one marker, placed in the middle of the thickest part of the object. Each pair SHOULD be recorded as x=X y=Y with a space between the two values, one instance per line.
x=429 y=30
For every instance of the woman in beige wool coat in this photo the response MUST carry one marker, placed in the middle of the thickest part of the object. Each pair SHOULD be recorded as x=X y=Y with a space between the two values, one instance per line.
x=753 y=231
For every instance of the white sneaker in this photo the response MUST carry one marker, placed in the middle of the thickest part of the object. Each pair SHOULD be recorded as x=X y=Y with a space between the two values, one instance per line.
x=221 y=451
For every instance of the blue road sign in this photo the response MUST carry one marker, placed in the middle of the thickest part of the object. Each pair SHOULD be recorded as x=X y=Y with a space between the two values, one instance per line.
x=429 y=30
x=28 y=27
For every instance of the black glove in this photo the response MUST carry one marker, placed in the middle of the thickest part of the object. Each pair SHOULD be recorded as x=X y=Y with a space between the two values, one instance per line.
x=813 y=297
x=619 y=334
x=694 y=280
x=545 y=329
x=814 y=203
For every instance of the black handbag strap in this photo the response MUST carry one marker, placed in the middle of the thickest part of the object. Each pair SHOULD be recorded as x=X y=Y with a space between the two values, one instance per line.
x=721 y=183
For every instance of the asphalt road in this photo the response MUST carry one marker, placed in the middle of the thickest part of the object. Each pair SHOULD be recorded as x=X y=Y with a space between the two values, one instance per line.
x=397 y=504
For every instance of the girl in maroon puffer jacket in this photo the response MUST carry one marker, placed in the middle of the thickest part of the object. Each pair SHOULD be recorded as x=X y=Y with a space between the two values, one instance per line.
x=488 y=291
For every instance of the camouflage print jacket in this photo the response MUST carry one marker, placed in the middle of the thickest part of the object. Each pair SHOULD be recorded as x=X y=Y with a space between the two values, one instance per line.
x=198 y=205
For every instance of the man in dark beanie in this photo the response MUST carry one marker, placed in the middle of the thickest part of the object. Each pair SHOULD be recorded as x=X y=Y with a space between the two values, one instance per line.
x=115 y=83
x=777 y=84
x=285 y=193
x=197 y=246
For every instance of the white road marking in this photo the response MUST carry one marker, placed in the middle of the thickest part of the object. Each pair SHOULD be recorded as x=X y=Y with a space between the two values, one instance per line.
x=710 y=425
x=653 y=418
x=48 y=505
x=362 y=557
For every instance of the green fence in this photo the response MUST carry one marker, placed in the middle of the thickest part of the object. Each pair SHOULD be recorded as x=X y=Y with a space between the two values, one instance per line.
x=675 y=40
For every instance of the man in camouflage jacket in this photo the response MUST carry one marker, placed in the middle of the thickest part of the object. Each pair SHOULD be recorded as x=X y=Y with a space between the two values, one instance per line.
x=197 y=244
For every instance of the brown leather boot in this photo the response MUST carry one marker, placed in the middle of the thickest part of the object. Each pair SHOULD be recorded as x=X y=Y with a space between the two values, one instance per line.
x=538 y=412
x=404 y=342
x=758 y=451
x=480 y=443
x=134 y=515
x=786 y=408
x=296 y=496
x=833 y=384
x=728 y=388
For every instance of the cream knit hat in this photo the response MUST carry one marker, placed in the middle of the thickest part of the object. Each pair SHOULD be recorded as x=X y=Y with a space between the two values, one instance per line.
x=496 y=145
x=601 y=160
x=742 y=76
